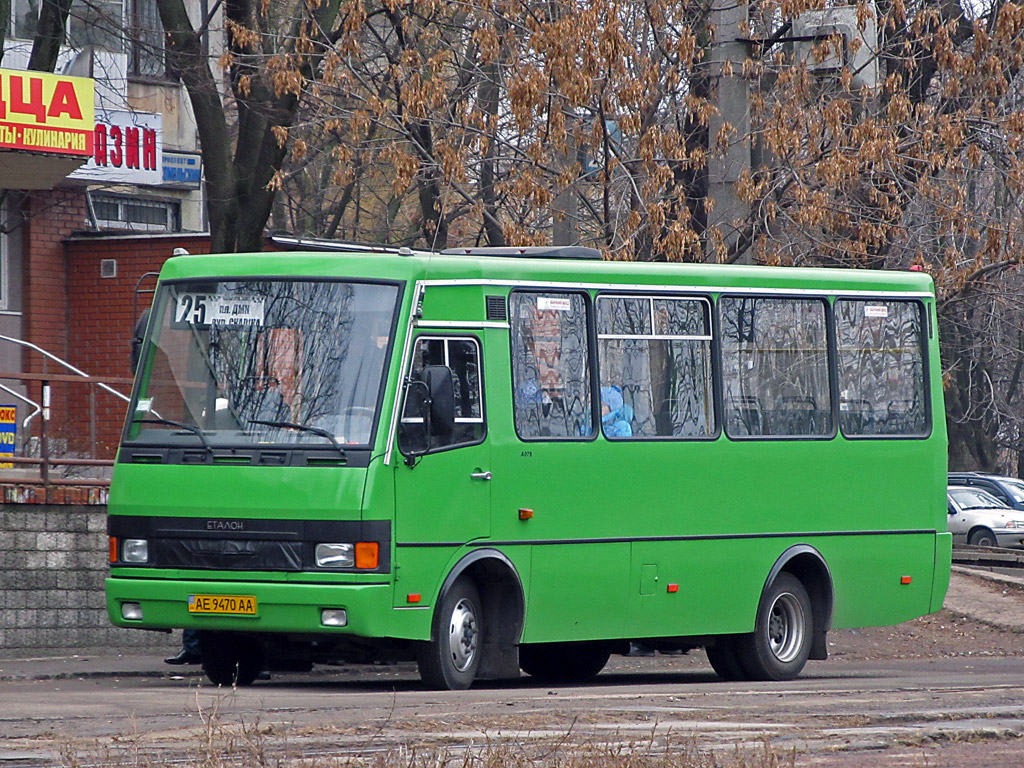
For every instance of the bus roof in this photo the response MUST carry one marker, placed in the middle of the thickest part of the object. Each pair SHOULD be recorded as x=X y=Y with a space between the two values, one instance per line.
x=506 y=269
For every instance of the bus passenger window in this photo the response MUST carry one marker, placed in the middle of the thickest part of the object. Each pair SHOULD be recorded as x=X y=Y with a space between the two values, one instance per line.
x=881 y=367
x=775 y=375
x=656 y=351
x=550 y=365
x=462 y=356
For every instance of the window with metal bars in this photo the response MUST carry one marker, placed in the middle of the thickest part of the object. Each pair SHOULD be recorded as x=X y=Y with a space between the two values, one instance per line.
x=121 y=212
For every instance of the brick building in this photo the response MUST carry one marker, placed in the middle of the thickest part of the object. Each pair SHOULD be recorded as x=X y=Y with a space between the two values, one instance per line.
x=114 y=157
x=96 y=189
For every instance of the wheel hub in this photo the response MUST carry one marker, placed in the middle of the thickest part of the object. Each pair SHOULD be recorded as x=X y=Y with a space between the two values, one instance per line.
x=786 y=625
x=463 y=636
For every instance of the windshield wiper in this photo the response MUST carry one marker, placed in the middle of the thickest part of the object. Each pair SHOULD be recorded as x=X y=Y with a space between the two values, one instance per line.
x=187 y=427
x=303 y=428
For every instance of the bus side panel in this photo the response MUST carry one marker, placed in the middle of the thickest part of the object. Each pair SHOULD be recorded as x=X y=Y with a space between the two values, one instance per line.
x=716 y=539
x=880 y=580
x=696 y=587
x=589 y=602
x=418 y=577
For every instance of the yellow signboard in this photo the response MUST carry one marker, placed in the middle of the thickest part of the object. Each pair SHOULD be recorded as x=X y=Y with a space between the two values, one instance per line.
x=41 y=112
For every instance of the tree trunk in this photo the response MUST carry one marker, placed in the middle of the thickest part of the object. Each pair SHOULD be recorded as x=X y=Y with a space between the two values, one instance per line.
x=50 y=34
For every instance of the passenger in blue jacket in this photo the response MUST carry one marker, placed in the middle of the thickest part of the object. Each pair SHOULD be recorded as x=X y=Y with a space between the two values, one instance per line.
x=616 y=415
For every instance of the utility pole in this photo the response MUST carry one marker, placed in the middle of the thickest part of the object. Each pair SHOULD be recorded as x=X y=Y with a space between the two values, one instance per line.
x=564 y=204
x=730 y=92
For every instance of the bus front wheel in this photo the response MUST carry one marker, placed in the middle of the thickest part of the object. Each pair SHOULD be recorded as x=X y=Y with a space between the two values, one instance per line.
x=452 y=656
x=778 y=647
x=230 y=659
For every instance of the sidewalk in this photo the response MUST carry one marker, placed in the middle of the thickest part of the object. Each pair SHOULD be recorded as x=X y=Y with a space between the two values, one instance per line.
x=86 y=666
x=990 y=598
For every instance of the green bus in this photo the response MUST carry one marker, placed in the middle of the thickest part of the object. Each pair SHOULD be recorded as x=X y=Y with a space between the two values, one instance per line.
x=524 y=459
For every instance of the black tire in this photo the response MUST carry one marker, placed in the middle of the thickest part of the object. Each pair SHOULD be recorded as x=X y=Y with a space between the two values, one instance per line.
x=983 y=537
x=450 y=659
x=724 y=658
x=230 y=659
x=563 y=662
x=778 y=647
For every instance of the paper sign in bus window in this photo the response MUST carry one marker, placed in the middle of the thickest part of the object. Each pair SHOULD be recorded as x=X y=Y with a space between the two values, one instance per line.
x=226 y=309
x=551 y=303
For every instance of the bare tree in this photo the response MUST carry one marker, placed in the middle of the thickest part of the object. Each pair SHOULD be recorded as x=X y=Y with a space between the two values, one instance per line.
x=435 y=124
x=272 y=54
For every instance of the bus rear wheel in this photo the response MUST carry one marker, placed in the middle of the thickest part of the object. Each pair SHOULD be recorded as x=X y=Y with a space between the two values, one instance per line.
x=563 y=662
x=778 y=647
x=450 y=659
x=230 y=659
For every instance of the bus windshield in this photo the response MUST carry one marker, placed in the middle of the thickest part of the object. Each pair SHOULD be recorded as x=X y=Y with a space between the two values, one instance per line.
x=264 y=361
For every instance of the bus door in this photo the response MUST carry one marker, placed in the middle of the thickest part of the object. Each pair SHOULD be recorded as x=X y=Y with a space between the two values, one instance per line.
x=442 y=481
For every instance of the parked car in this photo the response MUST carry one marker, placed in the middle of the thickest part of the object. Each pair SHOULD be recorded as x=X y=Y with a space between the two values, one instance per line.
x=977 y=517
x=1008 y=490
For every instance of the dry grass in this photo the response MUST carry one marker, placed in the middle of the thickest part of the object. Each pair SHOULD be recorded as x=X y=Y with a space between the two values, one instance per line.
x=237 y=743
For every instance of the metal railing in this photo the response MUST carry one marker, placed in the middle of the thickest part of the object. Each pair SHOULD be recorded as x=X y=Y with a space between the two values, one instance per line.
x=44 y=442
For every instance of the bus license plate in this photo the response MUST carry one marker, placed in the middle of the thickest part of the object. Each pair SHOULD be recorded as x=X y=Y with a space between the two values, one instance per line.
x=236 y=605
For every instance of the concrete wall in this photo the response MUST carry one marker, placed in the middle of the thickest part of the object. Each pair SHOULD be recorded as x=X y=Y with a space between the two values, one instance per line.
x=53 y=562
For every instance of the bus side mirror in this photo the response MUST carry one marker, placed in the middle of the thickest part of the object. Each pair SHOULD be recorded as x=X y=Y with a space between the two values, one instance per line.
x=138 y=334
x=431 y=395
x=441 y=388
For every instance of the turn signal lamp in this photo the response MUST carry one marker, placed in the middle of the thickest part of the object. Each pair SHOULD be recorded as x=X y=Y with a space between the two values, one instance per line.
x=367 y=554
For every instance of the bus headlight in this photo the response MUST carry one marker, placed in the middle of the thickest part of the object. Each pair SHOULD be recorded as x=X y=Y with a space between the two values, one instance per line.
x=135 y=551
x=335 y=556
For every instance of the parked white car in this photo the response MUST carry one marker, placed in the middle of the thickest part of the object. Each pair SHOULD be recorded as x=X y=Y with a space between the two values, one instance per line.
x=977 y=517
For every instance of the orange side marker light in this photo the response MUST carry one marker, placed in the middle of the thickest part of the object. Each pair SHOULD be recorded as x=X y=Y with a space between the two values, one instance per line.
x=113 y=549
x=905 y=580
x=413 y=598
x=673 y=587
x=525 y=514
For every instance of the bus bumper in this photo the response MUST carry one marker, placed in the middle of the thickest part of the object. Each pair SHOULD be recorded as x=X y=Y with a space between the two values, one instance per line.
x=293 y=608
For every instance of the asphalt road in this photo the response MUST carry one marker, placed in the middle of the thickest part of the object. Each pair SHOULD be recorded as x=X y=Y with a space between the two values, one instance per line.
x=836 y=713
x=944 y=690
